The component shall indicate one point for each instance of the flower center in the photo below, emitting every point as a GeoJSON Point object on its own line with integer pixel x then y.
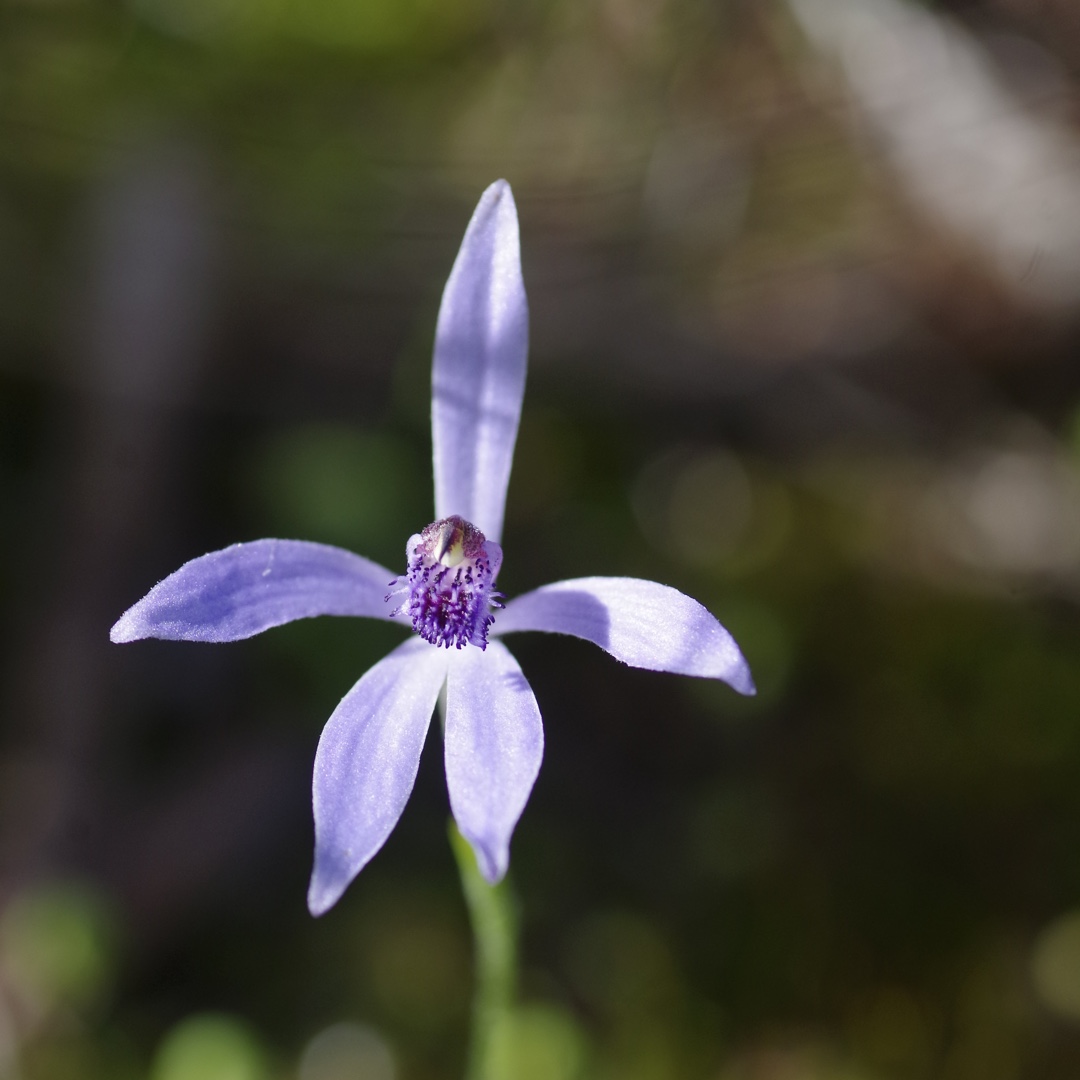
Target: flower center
{"type": "Point", "coordinates": [448, 589]}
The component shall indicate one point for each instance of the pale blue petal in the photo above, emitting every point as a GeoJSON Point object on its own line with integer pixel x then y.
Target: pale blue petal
{"type": "Point", "coordinates": [494, 744]}
{"type": "Point", "coordinates": [478, 376]}
{"type": "Point", "coordinates": [642, 623]}
{"type": "Point", "coordinates": [247, 588]}
{"type": "Point", "coordinates": [366, 764]}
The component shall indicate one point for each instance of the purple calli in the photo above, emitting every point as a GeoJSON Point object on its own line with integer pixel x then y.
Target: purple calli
{"type": "Point", "coordinates": [368, 755]}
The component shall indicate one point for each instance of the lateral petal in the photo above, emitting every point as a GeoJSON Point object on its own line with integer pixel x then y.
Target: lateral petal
{"type": "Point", "coordinates": [478, 374]}
{"type": "Point", "coordinates": [642, 623]}
{"type": "Point", "coordinates": [494, 743]}
{"type": "Point", "coordinates": [244, 589]}
{"type": "Point", "coordinates": [366, 764]}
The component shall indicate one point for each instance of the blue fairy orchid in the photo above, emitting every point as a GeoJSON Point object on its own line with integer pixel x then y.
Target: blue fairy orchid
{"type": "Point", "coordinates": [369, 752]}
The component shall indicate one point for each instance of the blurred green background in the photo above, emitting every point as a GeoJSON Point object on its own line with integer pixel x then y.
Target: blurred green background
{"type": "Point", "coordinates": [804, 281]}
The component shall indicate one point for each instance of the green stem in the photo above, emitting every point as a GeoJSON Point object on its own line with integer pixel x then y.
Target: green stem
{"type": "Point", "coordinates": [493, 915]}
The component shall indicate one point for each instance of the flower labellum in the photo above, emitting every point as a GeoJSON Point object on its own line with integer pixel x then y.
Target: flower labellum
{"type": "Point", "coordinates": [369, 752]}
{"type": "Point", "coordinates": [449, 583]}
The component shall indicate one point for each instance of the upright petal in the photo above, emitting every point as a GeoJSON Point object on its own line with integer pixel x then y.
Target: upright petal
{"type": "Point", "coordinates": [494, 744]}
{"type": "Point", "coordinates": [366, 764]}
{"type": "Point", "coordinates": [247, 588]}
{"type": "Point", "coordinates": [642, 623]}
{"type": "Point", "coordinates": [478, 376]}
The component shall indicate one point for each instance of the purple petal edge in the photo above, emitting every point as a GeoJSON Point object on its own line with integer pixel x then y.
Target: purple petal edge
{"type": "Point", "coordinates": [478, 370]}
{"type": "Point", "coordinates": [642, 623]}
{"type": "Point", "coordinates": [244, 589]}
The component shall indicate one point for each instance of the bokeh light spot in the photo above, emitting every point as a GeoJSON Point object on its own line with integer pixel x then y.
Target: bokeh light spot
{"type": "Point", "coordinates": [540, 1042]}
{"type": "Point", "coordinates": [56, 944]}
{"type": "Point", "coordinates": [347, 1051]}
{"type": "Point", "coordinates": [1055, 965]}
{"type": "Point", "coordinates": [210, 1047]}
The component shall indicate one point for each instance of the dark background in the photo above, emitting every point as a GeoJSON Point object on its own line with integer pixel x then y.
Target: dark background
{"type": "Point", "coordinates": [804, 284]}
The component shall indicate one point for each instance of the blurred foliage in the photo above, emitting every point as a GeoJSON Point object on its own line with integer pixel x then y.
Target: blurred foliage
{"type": "Point", "coordinates": [782, 358]}
{"type": "Point", "coordinates": [57, 947]}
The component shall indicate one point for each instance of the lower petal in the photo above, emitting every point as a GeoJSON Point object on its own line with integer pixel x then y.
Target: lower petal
{"type": "Point", "coordinates": [366, 764]}
{"type": "Point", "coordinates": [642, 623]}
{"type": "Point", "coordinates": [494, 745]}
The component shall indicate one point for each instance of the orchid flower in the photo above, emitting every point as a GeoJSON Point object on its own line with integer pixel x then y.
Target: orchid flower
{"type": "Point", "coordinates": [369, 752]}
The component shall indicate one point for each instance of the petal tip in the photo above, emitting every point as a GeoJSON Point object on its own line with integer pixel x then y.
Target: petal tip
{"type": "Point", "coordinates": [318, 906]}
{"type": "Point", "coordinates": [743, 681]}
{"type": "Point", "coordinates": [124, 630]}
{"type": "Point", "coordinates": [497, 205]}
{"type": "Point", "coordinates": [322, 895]}
{"type": "Point", "coordinates": [735, 671]}
{"type": "Point", "coordinates": [498, 189]}
{"type": "Point", "coordinates": [492, 859]}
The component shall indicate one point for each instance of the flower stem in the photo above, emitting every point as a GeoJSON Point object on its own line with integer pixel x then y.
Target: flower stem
{"type": "Point", "coordinates": [493, 915]}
